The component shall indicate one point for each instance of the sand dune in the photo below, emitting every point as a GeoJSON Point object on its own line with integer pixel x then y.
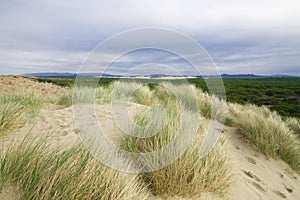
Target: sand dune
{"type": "Point", "coordinates": [17, 83]}
{"type": "Point", "coordinates": [256, 177]}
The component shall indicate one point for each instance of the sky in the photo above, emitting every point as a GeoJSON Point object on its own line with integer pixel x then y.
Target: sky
{"type": "Point", "coordinates": [258, 36]}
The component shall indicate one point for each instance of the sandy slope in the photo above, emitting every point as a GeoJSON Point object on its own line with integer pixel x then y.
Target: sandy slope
{"type": "Point", "coordinates": [255, 176]}
{"type": "Point", "coordinates": [17, 83]}
{"type": "Point", "coordinates": [258, 177]}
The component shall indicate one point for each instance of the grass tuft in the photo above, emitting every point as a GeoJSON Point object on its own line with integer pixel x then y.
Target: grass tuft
{"type": "Point", "coordinates": [267, 132]}
{"type": "Point", "coordinates": [65, 99]}
{"type": "Point", "coordinates": [294, 125]}
{"type": "Point", "coordinates": [190, 175]}
{"type": "Point", "coordinates": [64, 174]}
{"type": "Point", "coordinates": [29, 100]}
{"type": "Point", "coordinates": [18, 107]}
{"type": "Point", "coordinates": [10, 117]}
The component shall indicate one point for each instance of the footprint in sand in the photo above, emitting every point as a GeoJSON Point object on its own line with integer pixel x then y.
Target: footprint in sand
{"type": "Point", "coordinates": [251, 175]}
{"type": "Point", "coordinates": [288, 188]}
{"type": "Point", "coordinates": [280, 174]}
{"type": "Point", "coordinates": [65, 132]}
{"type": "Point", "coordinates": [257, 182]}
{"type": "Point", "coordinates": [280, 194]}
{"type": "Point", "coordinates": [259, 186]}
{"type": "Point", "coordinates": [251, 160]}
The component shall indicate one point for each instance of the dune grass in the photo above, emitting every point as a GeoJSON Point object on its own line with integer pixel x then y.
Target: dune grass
{"type": "Point", "coordinates": [267, 132]}
{"type": "Point", "coordinates": [294, 124]}
{"type": "Point", "coordinates": [132, 91]}
{"type": "Point", "coordinates": [103, 94]}
{"type": "Point", "coordinates": [65, 99]}
{"type": "Point", "coordinates": [211, 107]}
{"type": "Point", "coordinates": [30, 101]}
{"type": "Point", "coordinates": [10, 117]}
{"type": "Point", "coordinates": [190, 175]}
{"type": "Point", "coordinates": [73, 174]}
{"type": "Point", "coordinates": [18, 107]}
{"type": "Point", "coordinates": [64, 174]}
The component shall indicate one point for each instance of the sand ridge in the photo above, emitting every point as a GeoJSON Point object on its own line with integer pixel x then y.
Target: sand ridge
{"type": "Point", "coordinates": [18, 83]}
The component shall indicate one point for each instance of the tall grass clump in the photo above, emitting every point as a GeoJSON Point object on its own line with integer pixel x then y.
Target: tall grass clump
{"type": "Point", "coordinates": [103, 94]}
{"type": "Point", "coordinates": [190, 175]}
{"type": "Point", "coordinates": [185, 95]}
{"type": "Point", "coordinates": [143, 96]}
{"type": "Point", "coordinates": [10, 117]}
{"type": "Point", "coordinates": [117, 91]}
{"type": "Point", "coordinates": [41, 173]}
{"type": "Point", "coordinates": [210, 106]}
{"type": "Point", "coordinates": [132, 91]}
{"type": "Point", "coordinates": [84, 94]}
{"type": "Point", "coordinates": [18, 107]}
{"type": "Point", "coordinates": [163, 94]}
{"type": "Point", "coordinates": [29, 100]}
{"type": "Point", "coordinates": [100, 95]}
{"type": "Point", "coordinates": [294, 125]}
{"type": "Point", "coordinates": [65, 99]}
{"type": "Point", "coordinates": [267, 132]}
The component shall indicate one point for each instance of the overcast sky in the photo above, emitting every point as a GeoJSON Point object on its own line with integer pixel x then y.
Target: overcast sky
{"type": "Point", "coordinates": [256, 36]}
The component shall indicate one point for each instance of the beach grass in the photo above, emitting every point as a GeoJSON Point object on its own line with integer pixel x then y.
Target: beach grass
{"type": "Point", "coordinates": [73, 173]}
{"type": "Point", "coordinates": [266, 132]}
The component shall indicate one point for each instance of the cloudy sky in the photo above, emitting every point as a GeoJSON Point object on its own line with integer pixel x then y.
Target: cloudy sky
{"type": "Point", "coordinates": [257, 36]}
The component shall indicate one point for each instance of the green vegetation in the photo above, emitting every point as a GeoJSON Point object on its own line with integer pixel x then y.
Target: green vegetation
{"type": "Point", "coordinates": [69, 81]}
{"type": "Point", "coordinates": [63, 81]}
{"type": "Point", "coordinates": [279, 94]}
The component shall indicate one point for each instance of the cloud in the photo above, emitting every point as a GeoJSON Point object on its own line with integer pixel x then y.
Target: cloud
{"type": "Point", "coordinates": [241, 36]}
